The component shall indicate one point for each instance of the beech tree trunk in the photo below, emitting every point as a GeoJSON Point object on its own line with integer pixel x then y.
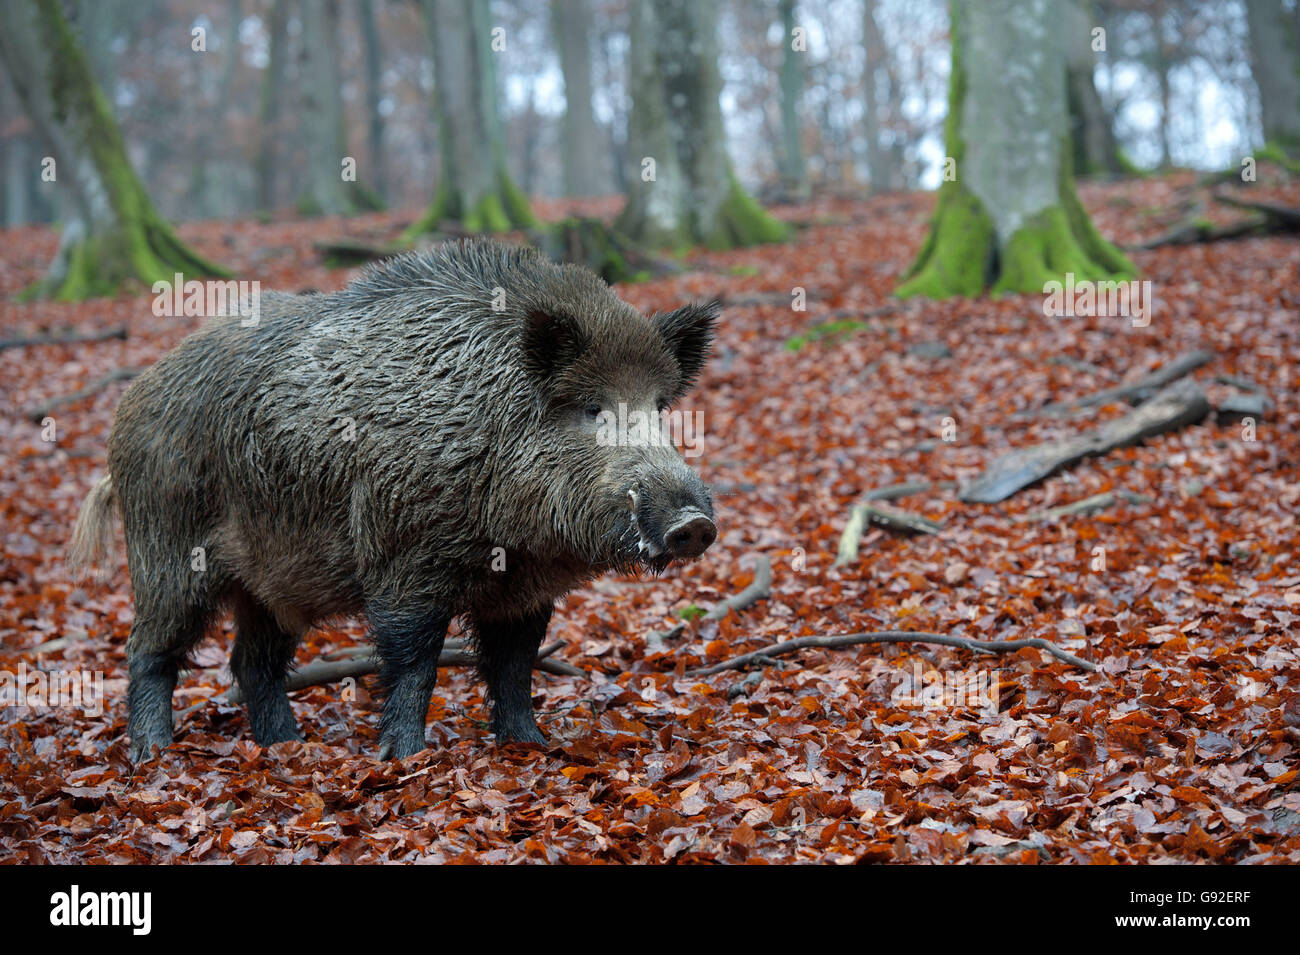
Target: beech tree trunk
{"type": "Point", "coordinates": [682, 190]}
{"type": "Point", "coordinates": [570, 21]}
{"type": "Point", "coordinates": [793, 169]}
{"type": "Point", "coordinates": [1275, 64]}
{"type": "Point", "coordinates": [268, 107]}
{"type": "Point", "coordinates": [1009, 216]}
{"type": "Point", "coordinates": [112, 233]}
{"type": "Point", "coordinates": [475, 188]}
{"type": "Point", "coordinates": [880, 101]}
{"type": "Point", "coordinates": [327, 191]}
{"type": "Point", "coordinates": [1096, 151]}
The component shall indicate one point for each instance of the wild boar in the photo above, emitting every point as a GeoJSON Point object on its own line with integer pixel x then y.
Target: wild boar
{"type": "Point", "coordinates": [420, 446]}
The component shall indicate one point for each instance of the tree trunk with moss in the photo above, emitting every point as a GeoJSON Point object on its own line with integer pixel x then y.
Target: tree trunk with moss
{"type": "Point", "coordinates": [1007, 213]}
{"type": "Point", "coordinates": [682, 187]}
{"type": "Point", "coordinates": [474, 188]}
{"type": "Point", "coordinates": [114, 235]}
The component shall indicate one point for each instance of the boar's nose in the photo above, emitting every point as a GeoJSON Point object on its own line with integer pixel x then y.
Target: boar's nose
{"type": "Point", "coordinates": [690, 534]}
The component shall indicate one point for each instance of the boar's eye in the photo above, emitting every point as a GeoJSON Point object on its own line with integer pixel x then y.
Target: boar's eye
{"type": "Point", "coordinates": [663, 404]}
{"type": "Point", "coordinates": [591, 411]}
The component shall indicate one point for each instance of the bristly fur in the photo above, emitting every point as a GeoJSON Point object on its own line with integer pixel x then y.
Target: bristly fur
{"type": "Point", "coordinates": [381, 448]}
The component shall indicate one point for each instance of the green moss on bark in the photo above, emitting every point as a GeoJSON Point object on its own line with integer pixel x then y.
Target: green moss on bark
{"type": "Point", "coordinates": [961, 252]}
{"type": "Point", "coordinates": [137, 245]}
{"type": "Point", "coordinates": [504, 209]}
{"type": "Point", "coordinates": [742, 221]}
{"type": "Point", "coordinates": [958, 254]}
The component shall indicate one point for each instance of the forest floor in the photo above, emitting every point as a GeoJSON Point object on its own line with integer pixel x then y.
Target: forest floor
{"type": "Point", "coordinates": [1185, 592]}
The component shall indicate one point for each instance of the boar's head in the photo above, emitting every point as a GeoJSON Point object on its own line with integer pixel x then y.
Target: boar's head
{"type": "Point", "coordinates": [607, 379]}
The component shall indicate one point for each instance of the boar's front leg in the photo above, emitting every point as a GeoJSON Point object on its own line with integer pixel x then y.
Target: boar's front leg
{"type": "Point", "coordinates": [507, 649]}
{"type": "Point", "coordinates": [408, 643]}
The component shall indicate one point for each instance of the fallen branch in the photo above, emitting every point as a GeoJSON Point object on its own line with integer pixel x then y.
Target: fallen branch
{"type": "Point", "coordinates": [1178, 405]}
{"type": "Point", "coordinates": [760, 588]}
{"type": "Point", "coordinates": [1089, 505]}
{"type": "Point", "coordinates": [38, 412]}
{"type": "Point", "coordinates": [325, 672]}
{"type": "Point", "coordinates": [890, 636]}
{"type": "Point", "coordinates": [1138, 390]}
{"type": "Point", "coordinates": [62, 338]}
{"type": "Point", "coordinates": [352, 250]}
{"type": "Point", "coordinates": [1238, 406]}
{"type": "Point", "coordinates": [862, 512]}
{"type": "Point", "coordinates": [1200, 231]}
{"type": "Point", "coordinates": [1087, 367]}
{"type": "Point", "coordinates": [1279, 218]}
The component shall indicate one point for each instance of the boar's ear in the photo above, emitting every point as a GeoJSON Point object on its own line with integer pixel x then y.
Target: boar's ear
{"type": "Point", "coordinates": [689, 333]}
{"type": "Point", "coordinates": [551, 341]}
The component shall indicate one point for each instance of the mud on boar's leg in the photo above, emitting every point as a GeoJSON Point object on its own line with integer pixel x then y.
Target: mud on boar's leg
{"type": "Point", "coordinates": [408, 643]}
{"type": "Point", "coordinates": [261, 657]}
{"type": "Point", "coordinates": [507, 650]}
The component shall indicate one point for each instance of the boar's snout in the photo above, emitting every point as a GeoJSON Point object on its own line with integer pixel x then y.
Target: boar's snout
{"type": "Point", "coordinates": [672, 515]}
{"type": "Point", "coordinates": [689, 534]}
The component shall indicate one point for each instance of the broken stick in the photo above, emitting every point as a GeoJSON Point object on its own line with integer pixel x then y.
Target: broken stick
{"type": "Point", "coordinates": [760, 588]}
{"type": "Point", "coordinates": [1177, 406]}
{"type": "Point", "coordinates": [890, 636]}
{"type": "Point", "coordinates": [862, 512]}
{"type": "Point", "coordinates": [1141, 389]}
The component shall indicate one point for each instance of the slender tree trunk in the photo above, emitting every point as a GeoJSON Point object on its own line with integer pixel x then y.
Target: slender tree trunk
{"type": "Point", "coordinates": [327, 191]}
{"type": "Point", "coordinates": [204, 198]}
{"type": "Point", "coordinates": [268, 107]}
{"type": "Point", "coordinates": [112, 234]}
{"type": "Point", "coordinates": [793, 169]}
{"type": "Point", "coordinates": [683, 190]}
{"type": "Point", "coordinates": [374, 97]}
{"type": "Point", "coordinates": [570, 20]}
{"type": "Point", "coordinates": [1010, 215]}
{"type": "Point", "coordinates": [1275, 64]}
{"type": "Point", "coordinates": [475, 188]}
{"type": "Point", "coordinates": [875, 79]}
{"type": "Point", "coordinates": [1091, 127]}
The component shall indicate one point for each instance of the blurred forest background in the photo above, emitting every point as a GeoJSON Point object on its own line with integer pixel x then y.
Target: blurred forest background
{"type": "Point", "coordinates": [280, 88]}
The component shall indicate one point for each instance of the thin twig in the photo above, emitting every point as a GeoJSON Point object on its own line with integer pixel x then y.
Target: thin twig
{"type": "Point", "coordinates": [891, 636]}
{"type": "Point", "coordinates": [38, 412]}
{"type": "Point", "coordinates": [759, 588]}
{"type": "Point", "coordinates": [62, 338]}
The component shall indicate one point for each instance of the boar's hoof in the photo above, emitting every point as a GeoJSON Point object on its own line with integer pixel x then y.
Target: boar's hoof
{"type": "Point", "coordinates": [393, 748]}
{"type": "Point", "coordinates": [520, 734]}
{"type": "Point", "coordinates": [690, 535]}
{"type": "Point", "coordinates": [145, 748]}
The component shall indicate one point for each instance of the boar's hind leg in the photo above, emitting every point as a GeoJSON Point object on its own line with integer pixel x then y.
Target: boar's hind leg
{"type": "Point", "coordinates": [161, 639]}
{"type": "Point", "coordinates": [262, 654]}
{"type": "Point", "coordinates": [507, 650]}
{"type": "Point", "coordinates": [408, 644]}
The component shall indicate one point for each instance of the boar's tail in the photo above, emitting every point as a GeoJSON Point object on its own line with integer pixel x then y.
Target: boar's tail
{"type": "Point", "coordinates": [92, 538]}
